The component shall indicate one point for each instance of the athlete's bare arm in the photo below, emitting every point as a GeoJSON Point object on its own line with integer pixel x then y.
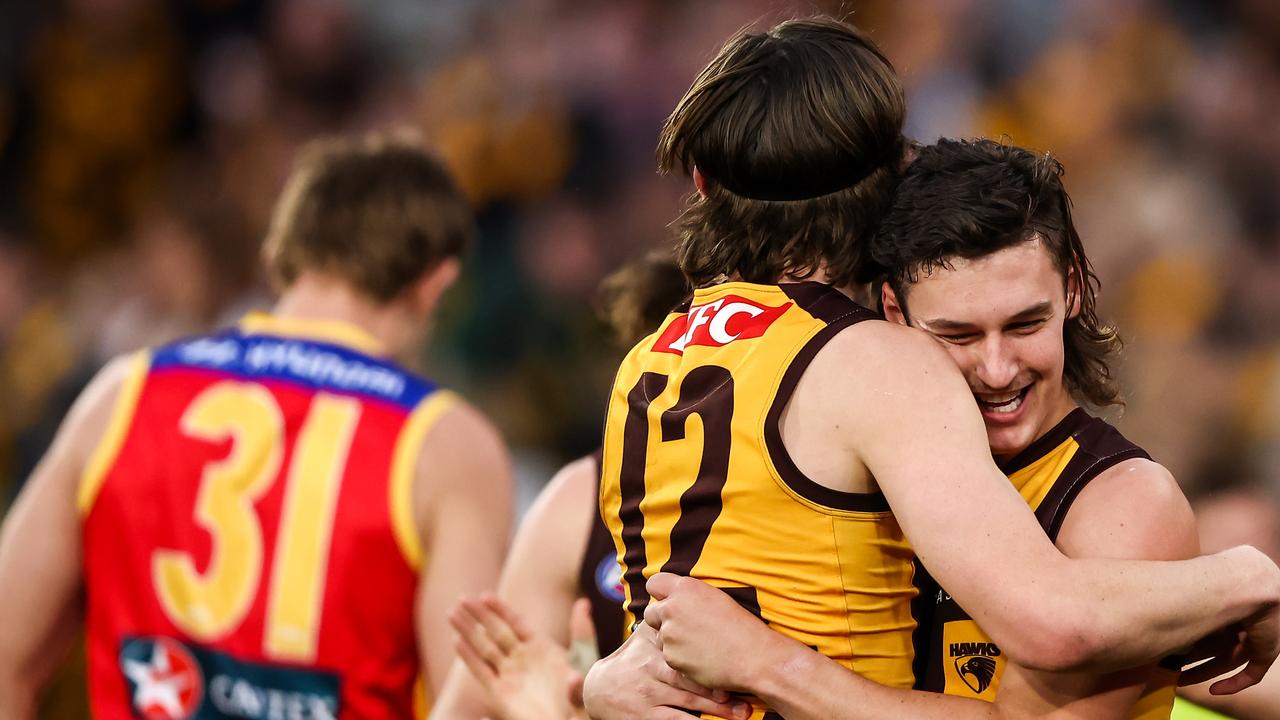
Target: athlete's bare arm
{"type": "Point", "coordinates": [1132, 510]}
{"type": "Point", "coordinates": [539, 577]}
{"type": "Point", "coordinates": [40, 575]}
{"type": "Point", "coordinates": [913, 426]}
{"type": "Point", "coordinates": [463, 505]}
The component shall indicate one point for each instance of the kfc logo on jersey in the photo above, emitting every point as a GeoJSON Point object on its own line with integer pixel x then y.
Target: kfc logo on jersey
{"type": "Point", "coordinates": [165, 682]}
{"type": "Point", "coordinates": [718, 323]}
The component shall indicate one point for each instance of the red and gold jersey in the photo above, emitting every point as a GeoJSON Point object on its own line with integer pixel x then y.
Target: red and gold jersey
{"type": "Point", "coordinates": [1049, 475]}
{"type": "Point", "coordinates": [249, 544]}
{"type": "Point", "coordinates": [696, 481]}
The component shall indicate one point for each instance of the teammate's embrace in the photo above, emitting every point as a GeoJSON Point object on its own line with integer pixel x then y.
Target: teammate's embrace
{"type": "Point", "coordinates": [272, 521]}
{"type": "Point", "coordinates": [758, 440]}
{"type": "Point", "coordinates": [981, 253]}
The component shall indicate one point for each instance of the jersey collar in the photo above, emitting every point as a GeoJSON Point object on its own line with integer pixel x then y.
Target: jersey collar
{"type": "Point", "coordinates": [1067, 427]}
{"type": "Point", "coordinates": [333, 331]}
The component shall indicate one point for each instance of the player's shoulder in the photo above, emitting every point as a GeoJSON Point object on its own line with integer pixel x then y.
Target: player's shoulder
{"type": "Point", "coordinates": [578, 479]}
{"type": "Point", "coordinates": [1103, 442]}
{"type": "Point", "coordinates": [117, 372]}
{"type": "Point", "coordinates": [461, 459]}
{"type": "Point", "coordinates": [1132, 508]}
{"type": "Point", "coordinates": [1120, 475]}
{"type": "Point", "coordinates": [119, 377]}
{"type": "Point", "coordinates": [880, 354]}
{"type": "Point", "coordinates": [877, 337]}
{"type": "Point", "coordinates": [1139, 483]}
{"type": "Point", "coordinates": [460, 429]}
{"type": "Point", "coordinates": [566, 505]}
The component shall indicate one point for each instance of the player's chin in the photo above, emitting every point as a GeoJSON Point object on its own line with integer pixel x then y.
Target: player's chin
{"type": "Point", "coordinates": [1010, 436]}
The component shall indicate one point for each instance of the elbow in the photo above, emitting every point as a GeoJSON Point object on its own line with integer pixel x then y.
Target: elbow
{"type": "Point", "coordinates": [1057, 640]}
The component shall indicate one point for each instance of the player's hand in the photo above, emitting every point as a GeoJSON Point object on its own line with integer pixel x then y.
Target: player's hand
{"type": "Point", "coordinates": [525, 675]}
{"type": "Point", "coordinates": [708, 636]}
{"type": "Point", "coordinates": [1253, 643]}
{"type": "Point", "coordinates": [635, 683]}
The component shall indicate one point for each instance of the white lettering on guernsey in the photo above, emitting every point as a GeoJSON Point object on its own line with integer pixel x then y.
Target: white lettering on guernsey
{"type": "Point", "coordinates": [699, 316]}
{"type": "Point", "coordinates": [323, 367]}
{"type": "Point", "coordinates": [208, 351]}
{"type": "Point", "coordinates": [237, 697]}
{"type": "Point", "coordinates": [297, 359]}
{"type": "Point", "coordinates": [720, 323]}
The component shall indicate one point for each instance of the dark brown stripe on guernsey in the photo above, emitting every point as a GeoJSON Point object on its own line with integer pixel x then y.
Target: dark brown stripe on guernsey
{"type": "Point", "coordinates": [824, 302]}
{"type": "Point", "coordinates": [830, 305]}
{"type": "Point", "coordinates": [635, 446]}
{"type": "Point", "coordinates": [1074, 422]}
{"type": "Point", "coordinates": [708, 391]}
{"type": "Point", "coordinates": [1101, 447]}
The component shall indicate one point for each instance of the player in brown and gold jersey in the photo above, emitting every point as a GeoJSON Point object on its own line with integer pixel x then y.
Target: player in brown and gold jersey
{"type": "Point", "coordinates": [758, 439]}
{"type": "Point", "coordinates": [997, 274]}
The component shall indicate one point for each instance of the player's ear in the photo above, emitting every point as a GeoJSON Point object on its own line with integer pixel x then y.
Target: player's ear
{"type": "Point", "coordinates": [433, 283]}
{"type": "Point", "coordinates": [893, 311]}
{"type": "Point", "coordinates": [1074, 297]}
{"type": "Point", "coordinates": [699, 181]}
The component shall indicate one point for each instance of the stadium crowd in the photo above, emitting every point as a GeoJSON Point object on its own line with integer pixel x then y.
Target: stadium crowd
{"type": "Point", "coordinates": [142, 144]}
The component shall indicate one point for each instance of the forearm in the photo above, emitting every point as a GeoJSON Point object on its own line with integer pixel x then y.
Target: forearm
{"type": "Point", "coordinates": [809, 686]}
{"type": "Point", "coordinates": [1138, 612]}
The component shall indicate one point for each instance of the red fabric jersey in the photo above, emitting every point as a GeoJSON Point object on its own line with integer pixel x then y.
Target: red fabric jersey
{"type": "Point", "coordinates": [249, 545]}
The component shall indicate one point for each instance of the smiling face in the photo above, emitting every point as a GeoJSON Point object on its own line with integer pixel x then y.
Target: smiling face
{"type": "Point", "coordinates": [1000, 317]}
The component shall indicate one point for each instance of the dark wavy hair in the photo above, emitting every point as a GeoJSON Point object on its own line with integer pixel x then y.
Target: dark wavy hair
{"type": "Point", "coordinates": [637, 297]}
{"type": "Point", "coordinates": [971, 198]}
{"type": "Point", "coordinates": [798, 133]}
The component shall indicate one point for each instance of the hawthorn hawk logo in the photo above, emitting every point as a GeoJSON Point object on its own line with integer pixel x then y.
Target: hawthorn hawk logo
{"type": "Point", "coordinates": [976, 672]}
{"type": "Point", "coordinates": [976, 663]}
{"type": "Point", "coordinates": [164, 679]}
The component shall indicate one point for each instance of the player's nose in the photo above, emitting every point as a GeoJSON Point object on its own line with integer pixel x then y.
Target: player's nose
{"type": "Point", "coordinates": [997, 366]}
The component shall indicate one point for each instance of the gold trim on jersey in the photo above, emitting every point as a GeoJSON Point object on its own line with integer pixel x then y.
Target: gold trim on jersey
{"type": "Point", "coordinates": [1034, 481]}
{"type": "Point", "coordinates": [108, 448]}
{"type": "Point", "coordinates": [334, 331]}
{"type": "Point", "coordinates": [404, 471]}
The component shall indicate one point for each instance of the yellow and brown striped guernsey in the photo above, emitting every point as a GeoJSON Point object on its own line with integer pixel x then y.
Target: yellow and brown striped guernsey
{"type": "Point", "coordinates": [960, 658]}
{"type": "Point", "coordinates": [696, 480]}
{"type": "Point", "coordinates": [600, 582]}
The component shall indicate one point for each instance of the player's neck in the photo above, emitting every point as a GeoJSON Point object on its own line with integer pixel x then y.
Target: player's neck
{"type": "Point", "coordinates": [314, 297]}
{"type": "Point", "coordinates": [1061, 404]}
{"type": "Point", "coordinates": [819, 275]}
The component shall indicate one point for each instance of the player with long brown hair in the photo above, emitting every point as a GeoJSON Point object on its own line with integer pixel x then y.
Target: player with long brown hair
{"type": "Point", "coordinates": [272, 520]}
{"type": "Point", "coordinates": [758, 440]}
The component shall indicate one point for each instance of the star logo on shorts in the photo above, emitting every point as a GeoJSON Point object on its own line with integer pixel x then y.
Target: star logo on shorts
{"type": "Point", "coordinates": [165, 679]}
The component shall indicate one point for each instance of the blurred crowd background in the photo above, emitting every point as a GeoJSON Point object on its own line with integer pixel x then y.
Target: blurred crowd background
{"type": "Point", "coordinates": [142, 143]}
